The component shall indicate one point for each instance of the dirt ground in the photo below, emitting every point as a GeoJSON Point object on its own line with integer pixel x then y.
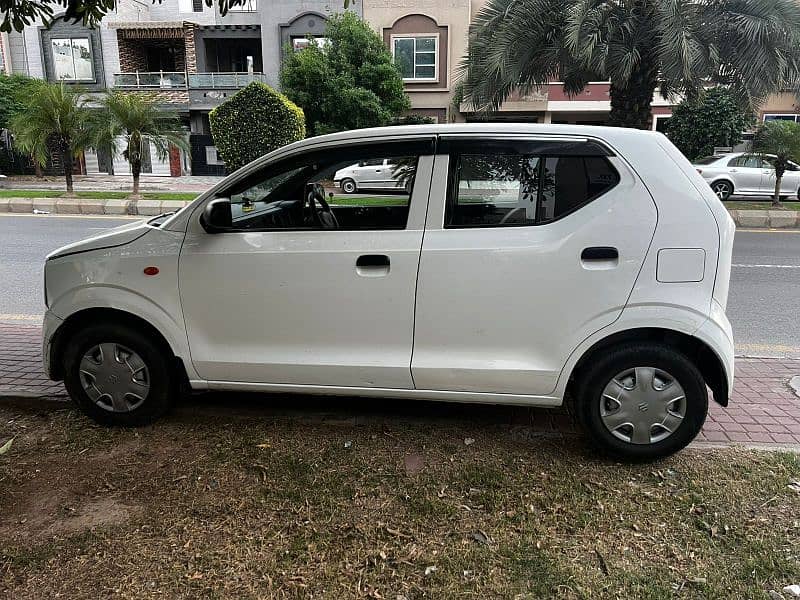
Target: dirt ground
{"type": "Point", "coordinates": [257, 505]}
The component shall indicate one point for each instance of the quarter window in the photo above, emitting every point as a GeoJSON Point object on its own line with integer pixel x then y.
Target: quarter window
{"type": "Point", "coordinates": [497, 190]}
{"type": "Point", "coordinates": [72, 59]}
{"type": "Point", "coordinates": [415, 57]}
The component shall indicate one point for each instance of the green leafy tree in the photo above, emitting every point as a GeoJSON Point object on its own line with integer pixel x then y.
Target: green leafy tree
{"type": "Point", "coordinates": [350, 83]}
{"type": "Point", "coordinates": [13, 91]}
{"type": "Point", "coordinates": [675, 45]}
{"type": "Point", "coordinates": [127, 122]}
{"type": "Point", "coordinates": [253, 122]}
{"type": "Point", "coordinates": [712, 119]}
{"type": "Point", "coordinates": [781, 139]}
{"type": "Point", "coordinates": [53, 116]}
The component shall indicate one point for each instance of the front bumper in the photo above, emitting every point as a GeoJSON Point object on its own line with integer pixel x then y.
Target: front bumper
{"type": "Point", "coordinates": [50, 325]}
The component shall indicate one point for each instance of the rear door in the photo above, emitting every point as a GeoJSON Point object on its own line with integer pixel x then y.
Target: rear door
{"type": "Point", "coordinates": [530, 246]}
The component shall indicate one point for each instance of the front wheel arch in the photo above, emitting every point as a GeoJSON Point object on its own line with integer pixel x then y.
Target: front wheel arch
{"type": "Point", "coordinates": [706, 360]}
{"type": "Point", "coordinates": [93, 316]}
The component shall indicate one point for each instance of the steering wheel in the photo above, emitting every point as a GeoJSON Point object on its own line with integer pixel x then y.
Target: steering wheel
{"type": "Point", "coordinates": [322, 216]}
{"type": "Point", "coordinates": [511, 214]}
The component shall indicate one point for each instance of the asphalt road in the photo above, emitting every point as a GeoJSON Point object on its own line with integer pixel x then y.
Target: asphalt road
{"type": "Point", "coordinates": [764, 303]}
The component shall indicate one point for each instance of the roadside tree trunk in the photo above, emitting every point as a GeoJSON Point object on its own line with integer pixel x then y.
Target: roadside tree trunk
{"type": "Point", "coordinates": [776, 196]}
{"type": "Point", "coordinates": [631, 100]}
{"type": "Point", "coordinates": [66, 160]}
{"type": "Point", "coordinates": [134, 156]}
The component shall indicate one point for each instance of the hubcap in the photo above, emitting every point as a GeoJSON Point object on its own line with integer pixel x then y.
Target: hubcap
{"type": "Point", "coordinates": [721, 190]}
{"type": "Point", "coordinates": [349, 186]}
{"type": "Point", "coordinates": [643, 405]}
{"type": "Point", "coordinates": [114, 377]}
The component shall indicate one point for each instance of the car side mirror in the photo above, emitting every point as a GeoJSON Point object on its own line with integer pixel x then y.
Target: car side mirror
{"type": "Point", "coordinates": [216, 216]}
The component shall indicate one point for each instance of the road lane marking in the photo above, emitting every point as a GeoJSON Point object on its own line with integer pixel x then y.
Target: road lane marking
{"type": "Point", "coordinates": [768, 230]}
{"type": "Point", "coordinates": [18, 317]}
{"type": "Point", "coordinates": [743, 266]}
{"type": "Point", "coordinates": [58, 216]}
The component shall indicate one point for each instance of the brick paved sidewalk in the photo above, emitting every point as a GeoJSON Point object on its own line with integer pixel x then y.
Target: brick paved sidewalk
{"type": "Point", "coordinates": [763, 408]}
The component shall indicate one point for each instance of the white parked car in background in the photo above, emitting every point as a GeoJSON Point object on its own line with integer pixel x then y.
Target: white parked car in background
{"type": "Point", "coordinates": [528, 264]}
{"type": "Point", "coordinates": [746, 175]}
{"type": "Point", "coordinates": [371, 174]}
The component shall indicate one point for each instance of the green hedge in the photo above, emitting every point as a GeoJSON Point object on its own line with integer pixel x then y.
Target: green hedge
{"type": "Point", "coordinates": [254, 121]}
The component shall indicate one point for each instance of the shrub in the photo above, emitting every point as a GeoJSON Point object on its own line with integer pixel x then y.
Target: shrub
{"type": "Point", "coordinates": [253, 122]}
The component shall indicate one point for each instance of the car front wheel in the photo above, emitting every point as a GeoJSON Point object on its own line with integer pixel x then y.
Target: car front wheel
{"type": "Point", "coordinates": [723, 189]}
{"type": "Point", "coordinates": [118, 375]}
{"type": "Point", "coordinates": [642, 401]}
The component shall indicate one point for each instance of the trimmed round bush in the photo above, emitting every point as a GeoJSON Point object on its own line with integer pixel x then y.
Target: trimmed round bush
{"type": "Point", "coordinates": [253, 122]}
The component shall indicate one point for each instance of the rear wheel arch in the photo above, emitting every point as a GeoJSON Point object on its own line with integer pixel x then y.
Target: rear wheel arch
{"type": "Point", "coordinates": [93, 316]}
{"type": "Point", "coordinates": [702, 355]}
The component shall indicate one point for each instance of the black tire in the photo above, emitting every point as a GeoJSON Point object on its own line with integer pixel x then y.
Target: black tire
{"type": "Point", "coordinates": [162, 382]}
{"type": "Point", "coordinates": [723, 189]}
{"type": "Point", "coordinates": [608, 365]}
{"type": "Point", "coordinates": [782, 198]}
{"type": "Point", "coordinates": [349, 186]}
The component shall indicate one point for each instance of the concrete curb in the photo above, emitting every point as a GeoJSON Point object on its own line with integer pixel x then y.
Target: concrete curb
{"type": "Point", "coordinates": [86, 206]}
{"type": "Point", "coordinates": [757, 219]}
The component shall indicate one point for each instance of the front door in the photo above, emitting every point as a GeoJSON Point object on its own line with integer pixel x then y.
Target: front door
{"type": "Point", "coordinates": [287, 298]}
{"type": "Point", "coordinates": [540, 246]}
{"type": "Point", "coordinates": [747, 173]}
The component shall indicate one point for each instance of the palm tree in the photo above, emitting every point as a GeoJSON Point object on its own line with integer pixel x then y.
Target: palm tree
{"type": "Point", "coordinates": [128, 121]}
{"type": "Point", "coordinates": [53, 116]}
{"type": "Point", "coordinates": [639, 45]}
{"type": "Point", "coordinates": [782, 140]}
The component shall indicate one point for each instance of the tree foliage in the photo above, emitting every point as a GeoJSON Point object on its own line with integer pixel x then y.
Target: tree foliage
{"type": "Point", "coordinates": [14, 89]}
{"type": "Point", "coordinates": [254, 121]}
{"type": "Point", "coordinates": [712, 119]}
{"type": "Point", "coordinates": [128, 122]}
{"type": "Point", "coordinates": [53, 116]}
{"type": "Point", "coordinates": [752, 46]}
{"type": "Point", "coordinates": [781, 139]}
{"type": "Point", "coordinates": [350, 83]}
{"type": "Point", "coordinates": [19, 13]}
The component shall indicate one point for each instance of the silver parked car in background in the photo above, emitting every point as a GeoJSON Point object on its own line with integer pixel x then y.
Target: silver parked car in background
{"type": "Point", "coordinates": [372, 174]}
{"type": "Point", "coordinates": [746, 175]}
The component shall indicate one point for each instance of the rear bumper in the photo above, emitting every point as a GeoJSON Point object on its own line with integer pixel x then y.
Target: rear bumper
{"type": "Point", "coordinates": [50, 325]}
{"type": "Point", "coordinates": [717, 333]}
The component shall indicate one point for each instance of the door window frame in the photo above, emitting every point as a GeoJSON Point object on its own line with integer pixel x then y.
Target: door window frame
{"type": "Point", "coordinates": [541, 148]}
{"type": "Point", "coordinates": [423, 147]}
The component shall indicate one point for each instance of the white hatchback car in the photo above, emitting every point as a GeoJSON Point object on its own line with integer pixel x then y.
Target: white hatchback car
{"type": "Point", "coordinates": [529, 263]}
{"type": "Point", "coordinates": [746, 175]}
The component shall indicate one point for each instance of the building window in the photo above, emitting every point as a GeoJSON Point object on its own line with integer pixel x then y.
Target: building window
{"type": "Point", "coordinates": [212, 158]}
{"type": "Point", "coordinates": [781, 117]}
{"type": "Point", "coordinates": [72, 59]}
{"type": "Point", "coordinates": [415, 57]}
{"type": "Point", "coordinates": [303, 42]}
{"type": "Point", "coordinates": [245, 6]}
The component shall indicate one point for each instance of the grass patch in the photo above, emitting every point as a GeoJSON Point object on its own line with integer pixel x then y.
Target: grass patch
{"type": "Point", "coordinates": [220, 505]}
{"type": "Point", "coordinates": [97, 195]}
{"type": "Point", "coordinates": [369, 201]}
{"type": "Point", "coordinates": [755, 205]}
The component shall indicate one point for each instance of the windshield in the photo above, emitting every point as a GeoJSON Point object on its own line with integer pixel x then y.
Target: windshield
{"type": "Point", "coordinates": [707, 160]}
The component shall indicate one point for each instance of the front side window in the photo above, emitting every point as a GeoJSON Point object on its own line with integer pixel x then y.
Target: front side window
{"type": "Point", "coordinates": [497, 190]}
{"type": "Point", "coordinates": [415, 57]}
{"type": "Point", "coordinates": [348, 189]}
{"type": "Point", "coordinates": [72, 59]}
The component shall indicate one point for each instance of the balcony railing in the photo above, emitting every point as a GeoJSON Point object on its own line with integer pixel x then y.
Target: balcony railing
{"type": "Point", "coordinates": [178, 80]}
{"type": "Point", "coordinates": [223, 80]}
{"type": "Point", "coordinates": [151, 80]}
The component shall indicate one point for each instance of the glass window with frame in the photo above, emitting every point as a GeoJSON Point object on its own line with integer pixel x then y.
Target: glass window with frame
{"type": "Point", "coordinates": [280, 197]}
{"type": "Point", "coordinates": [502, 190]}
{"type": "Point", "coordinates": [302, 42]}
{"type": "Point", "coordinates": [72, 59]}
{"type": "Point", "coordinates": [415, 57]}
{"type": "Point", "coordinates": [244, 6]}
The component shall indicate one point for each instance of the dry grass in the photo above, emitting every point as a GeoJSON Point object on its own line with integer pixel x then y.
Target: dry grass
{"type": "Point", "coordinates": [216, 506]}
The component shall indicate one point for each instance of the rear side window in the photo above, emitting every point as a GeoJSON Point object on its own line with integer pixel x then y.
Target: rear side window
{"type": "Point", "coordinates": [498, 190]}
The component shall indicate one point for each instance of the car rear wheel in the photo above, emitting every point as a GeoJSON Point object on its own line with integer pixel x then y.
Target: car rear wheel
{"type": "Point", "coordinates": [349, 186]}
{"type": "Point", "coordinates": [723, 189]}
{"type": "Point", "coordinates": [117, 375]}
{"type": "Point", "coordinates": [642, 401]}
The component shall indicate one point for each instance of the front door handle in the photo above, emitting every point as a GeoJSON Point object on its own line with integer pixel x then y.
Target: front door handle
{"type": "Point", "coordinates": [372, 265]}
{"type": "Point", "coordinates": [600, 253]}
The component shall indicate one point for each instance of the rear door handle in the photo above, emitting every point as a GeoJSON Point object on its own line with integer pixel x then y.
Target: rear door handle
{"type": "Point", "coordinates": [372, 265]}
{"type": "Point", "coordinates": [600, 253]}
